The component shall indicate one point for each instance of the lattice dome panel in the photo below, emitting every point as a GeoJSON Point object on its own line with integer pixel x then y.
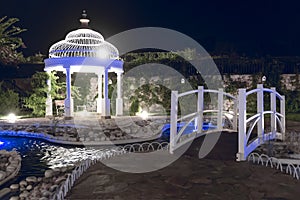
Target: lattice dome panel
{"type": "Point", "coordinates": [83, 43]}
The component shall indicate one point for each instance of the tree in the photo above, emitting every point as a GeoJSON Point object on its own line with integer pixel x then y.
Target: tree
{"type": "Point", "coordinates": [9, 100]}
{"type": "Point", "coordinates": [9, 42]}
{"type": "Point", "coordinates": [37, 100]}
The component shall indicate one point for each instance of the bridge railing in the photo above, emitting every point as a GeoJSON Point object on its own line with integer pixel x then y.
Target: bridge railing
{"type": "Point", "coordinates": [246, 125]}
{"type": "Point", "coordinates": [180, 135]}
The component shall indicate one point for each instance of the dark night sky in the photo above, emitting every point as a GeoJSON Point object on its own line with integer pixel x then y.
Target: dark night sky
{"type": "Point", "coordinates": [254, 27]}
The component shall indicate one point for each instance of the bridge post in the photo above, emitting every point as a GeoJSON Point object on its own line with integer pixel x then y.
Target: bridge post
{"type": "Point", "coordinates": [242, 125]}
{"type": "Point", "coordinates": [220, 109]}
{"type": "Point", "coordinates": [282, 111]}
{"type": "Point", "coordinates": [260, 110]}
{"type": "Point", "coordinates": [273, 109]}
{"type": "Point", "coordinates": [200, 103]}
{"type": "Point", "coordinates": [235, 116]}
{"type": "Point", "coordinates": [173, 123]}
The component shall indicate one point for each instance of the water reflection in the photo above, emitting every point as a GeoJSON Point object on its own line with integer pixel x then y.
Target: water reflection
{"type": "Point", "coordinates": [37, 155]}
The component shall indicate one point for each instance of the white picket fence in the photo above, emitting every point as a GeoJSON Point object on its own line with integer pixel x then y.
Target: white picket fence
{"type": "Point", "coordinates": [290, 168]}
{"type": "Point", "coordinates": [177, 137]}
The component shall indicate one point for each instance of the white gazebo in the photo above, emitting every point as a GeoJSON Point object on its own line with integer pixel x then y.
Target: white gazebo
{"type": "Point", "coordinates": [85, 50]}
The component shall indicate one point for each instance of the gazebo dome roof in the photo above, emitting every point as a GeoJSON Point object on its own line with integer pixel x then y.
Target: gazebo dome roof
{"type": "Point", "coordinates": [84, 42]}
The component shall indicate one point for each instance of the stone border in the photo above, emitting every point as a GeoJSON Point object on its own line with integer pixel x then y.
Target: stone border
{"type": "Point", "coordinates": [13, 174]}
{"type": "Point", "coordinates": [17, 168]}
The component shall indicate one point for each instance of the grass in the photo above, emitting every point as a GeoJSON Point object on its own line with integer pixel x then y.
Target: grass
{"type": "Point", "coordinates": [293, 117]}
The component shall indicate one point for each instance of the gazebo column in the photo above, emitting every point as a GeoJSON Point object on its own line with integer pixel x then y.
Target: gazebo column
{"type": "Point", "coordinates": [68, 101]}
{"type": "Point", "coordinates": [99, 99]}
{"type": "Point", "coordinates": [106, 101]}
{"type": "Point", "coordinates": [49, 111]}
{"type": "Point", "coordinates": [119, 100]}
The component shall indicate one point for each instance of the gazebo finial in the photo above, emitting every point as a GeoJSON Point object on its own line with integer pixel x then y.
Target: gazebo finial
{"type": "Point", "coordinates": [84, 20]}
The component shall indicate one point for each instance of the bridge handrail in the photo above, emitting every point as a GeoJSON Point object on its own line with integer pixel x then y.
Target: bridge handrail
{"type": "Point", "coordinates": [265, 90]}
{"type": "Point", "coordinates": [208, 91]}
{"type": "Point", "coordinates": [175, 134]}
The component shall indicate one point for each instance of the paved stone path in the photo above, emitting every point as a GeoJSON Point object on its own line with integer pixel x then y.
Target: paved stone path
{"type": "Point", "coordinates": [217, 176]}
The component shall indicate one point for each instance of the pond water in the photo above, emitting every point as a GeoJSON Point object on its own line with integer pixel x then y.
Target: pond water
{"type": "Point", "coordinates": [38, 156]}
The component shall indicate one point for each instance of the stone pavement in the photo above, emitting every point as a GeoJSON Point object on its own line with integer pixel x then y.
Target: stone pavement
{"type": "Point", "coordinates": [218, 176]}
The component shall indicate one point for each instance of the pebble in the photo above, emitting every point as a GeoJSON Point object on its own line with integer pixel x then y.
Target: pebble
{"type": "Point", "coordinates": [46, 193]}
{"type": "Point", "coordinates": [31, 179]}
{"type": "Point", "coordinates": [29, 187]}
{"type": "Point", "coordinates": [14, 186]}
{"type": "Point", "coordinates": [49, 173]}
{"type": "Point", "coordinates": [59, 180]}
{"type": "Point", "coordinates": [24, 194]}
{"type": "Point", "coordinates": [23, 183]}
{"type": "Point", "coordinates": [53, 188]}
{"type": "Point", "coordinates": [14, 198]}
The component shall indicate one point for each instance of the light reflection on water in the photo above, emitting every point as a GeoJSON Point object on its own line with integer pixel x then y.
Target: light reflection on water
{"type": "Point", "coordinates": [37, 155]}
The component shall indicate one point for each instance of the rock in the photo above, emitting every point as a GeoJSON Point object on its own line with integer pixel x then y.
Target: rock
{"type": "Point", "coordinates": [39, 179]}
{"type": "Point", "coordinates": [2, 175]}
{"type": "Point", "coordinates": [14, 186]}
{"type": "Point", "coordinates": [14, 163]}
{"type": "Point", "coordinates": [46, 193]}
{"type": "Point", "coordinates": [24, 194]}
{"type": "Point", "coordinates": [53, 188]}
{"type": "Point", "coordinates": [29, 187]}
{"type": "Point", "coordinates": [11, 168]}
{"type": "Point", "coordinates": [59, 180]}
{"type": "Point", "coordinates": [63, 169]}
{"type": "Point", "coordinates": [23, 184]}
{"type": "Point", "coordinates": [91, 134]}
{"type": "Point", "coordinates": [49, 173]}
{"type": "Point", "coordinates": [43, 198]}
{"type": "Point", "coordinates": [31, 179]}
{"type": "Point", "coordinates": [112, 137]}
{"type": "Point", "coordinates": [4, 192]}
{"type": "Point", "coordinates": [14, 198]}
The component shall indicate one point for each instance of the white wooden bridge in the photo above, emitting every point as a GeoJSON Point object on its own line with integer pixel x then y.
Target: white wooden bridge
{"type": "Point", "coordinates": [253, 129]}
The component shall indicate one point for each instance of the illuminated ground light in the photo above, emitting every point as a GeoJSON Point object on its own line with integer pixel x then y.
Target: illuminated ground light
{"type": "Point", "coordinates": [11, 118]}
{"type": "Point", "coordinates": [143, 114]}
